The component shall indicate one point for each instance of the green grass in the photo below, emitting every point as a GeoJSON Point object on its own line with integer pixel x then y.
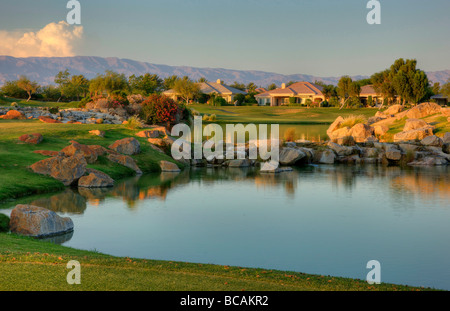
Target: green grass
{"type": "Point", "coordinates": [7, 101]}
{"type": "Point", "coordinates": [16, 179]}
{"type": "Point", "coordinates": [28, 264]}
{"type": "Point", "coordinates": [280, 115]}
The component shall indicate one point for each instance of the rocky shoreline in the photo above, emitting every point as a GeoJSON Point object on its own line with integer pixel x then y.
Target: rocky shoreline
{"type": "Point", "coordinates": [69, 115]}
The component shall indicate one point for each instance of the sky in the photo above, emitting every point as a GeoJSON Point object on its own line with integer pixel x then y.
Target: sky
{"type": "Point", "coordinates": [317, 37]}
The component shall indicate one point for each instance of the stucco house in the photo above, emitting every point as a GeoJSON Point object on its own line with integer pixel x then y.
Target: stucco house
{"type": "Point", "coordinates": [300, 92]}
{"type": "Point", "coordinates": [440, 99]}
{"type": "Point", "coordinates": [209, 88]}
{"type": "Point", "coordinates": [368, 91]}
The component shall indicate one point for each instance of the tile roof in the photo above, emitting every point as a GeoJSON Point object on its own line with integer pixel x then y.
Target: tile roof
{"type": "Point", "coordinates": [368, 90]}
{"type": "Point", "coordinates": [210, 88]}
{"type": "Point", "coordinates": [299, 88]}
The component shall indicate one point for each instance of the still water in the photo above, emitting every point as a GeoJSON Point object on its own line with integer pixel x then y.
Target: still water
{"type": "Point", "coordinates": [328, 220]}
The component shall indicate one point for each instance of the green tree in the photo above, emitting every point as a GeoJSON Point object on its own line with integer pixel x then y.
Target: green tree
{"type": "Point", "coordinates": [436, 88]}
{"type": "Point", "coordinates": [146, 84]}
{"type": "Point", "coordinates": [62, 78]}
{"type": "Point", "coordinates": [272, 86]}
{"type": "Point", "coordinates": [187, 89]}
{"type": "Point", "coordinates": [328, 91]}
{"type": "Point", "coordinates": [382, 84]}
{"type": "Point", "coordinates": [202, 80]}
{"type": "Point", "coordinates": [251, 88]}
{"type": "Point", "coordinates": [108, 83]}
{"type": "Point", "coordinates": [445, 89]}
{"type": "Point", "coordinates": [11, 89]}
{"type": "Point", "coordinates": [344, 89]}
{"type": "Point", "coordinates": [169, 82]}
{"type": "Point", "coordinates": [239, 86]}
{"type": "Point", "coordinates": [28, 86]}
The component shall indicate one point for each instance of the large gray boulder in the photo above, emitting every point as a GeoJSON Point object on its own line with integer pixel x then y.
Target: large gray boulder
{"type": "Point", "coordinates": [290, 156]}
{"type": "Point", "coordinates": [95, 179]}
{"type": "Point", "coordinates": [38, 222]}
{"type": "Point", "coordinates": [128, 146]}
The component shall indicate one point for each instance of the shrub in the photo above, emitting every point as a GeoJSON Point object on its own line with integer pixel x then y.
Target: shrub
{"type": "Point", "coordinates": [290, 134]}
{"type": "Point", "coordinates": [308, 102]}
{"type": "Point", "coordinates": [4, 223]}
{"type": "Point", "coordinates": [14, 104]}
{"type": "Point", "coordinates": [352, 120]}
{"type": "Point", "coordinates": [292, 100]}
{"type": "Point", "coordinates": [84, 101]}
{"type": "Point", "coordinates": [134, 122]}
{"type": "Point", "coordinates": [53, 110]}
{"type": "Point", "coordinates": [160, 109]}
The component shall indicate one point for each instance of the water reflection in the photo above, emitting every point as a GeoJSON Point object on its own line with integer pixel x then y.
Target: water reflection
{"type": "Point", "coordinates": [403, 183]}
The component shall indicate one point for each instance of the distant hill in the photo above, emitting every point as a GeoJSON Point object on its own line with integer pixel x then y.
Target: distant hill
{"type": "Point", "coordinates": [44, 69]}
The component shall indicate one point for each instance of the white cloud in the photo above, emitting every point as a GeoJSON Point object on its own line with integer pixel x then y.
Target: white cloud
{"type": "Point", "coordinates": [55, 39]}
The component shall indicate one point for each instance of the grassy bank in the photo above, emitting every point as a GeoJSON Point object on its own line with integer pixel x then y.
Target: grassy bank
{"type": "Point", "coordinates": [27, 264]}
{"type": "Point", "coordinates": [280, 115]}
{"type": "Point", "coordinates": [16, 179]}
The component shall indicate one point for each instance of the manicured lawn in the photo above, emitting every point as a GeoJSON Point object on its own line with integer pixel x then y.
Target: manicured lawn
{"type": "Point", "coordinates": [15, 157]}
{"type": "Point", "coordinates": [291, 115]}
{"type": "Point", "coordinates": [7, 101]}
{"type": "Point", "coordinates": [27, 264]}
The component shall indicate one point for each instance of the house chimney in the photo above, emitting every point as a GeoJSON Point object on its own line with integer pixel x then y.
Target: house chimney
{"type": "Point", "coordinates": [283, 86]}
{"type": "Point", "coordinates": [219, 81]}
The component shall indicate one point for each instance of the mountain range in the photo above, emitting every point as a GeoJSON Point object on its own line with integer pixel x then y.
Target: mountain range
{"type": "Point", "coordinates": [44, 69]}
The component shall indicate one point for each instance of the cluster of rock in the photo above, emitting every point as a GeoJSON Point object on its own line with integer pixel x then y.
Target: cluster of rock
{"type": "Point", "coordinates": [70, 115]}
{"type": "Point", "coordinates": [70, 164]}
{"type": "Point", "coordinates": [377, 126]}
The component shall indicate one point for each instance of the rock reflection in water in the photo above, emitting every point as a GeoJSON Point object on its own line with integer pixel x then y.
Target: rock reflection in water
{"type": "Point", "coordinates": [59, 239]}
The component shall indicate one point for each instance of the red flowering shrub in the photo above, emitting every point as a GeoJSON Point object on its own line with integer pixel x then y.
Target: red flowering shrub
{"type": "Point", "coordinates": [160, 109]}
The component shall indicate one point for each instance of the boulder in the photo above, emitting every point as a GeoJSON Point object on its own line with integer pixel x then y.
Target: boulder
{"type": "Point", "coordinates": [361, 132]}
{"type": "Point", "coordinates": [394, 109]}
{"type": "Point", "coordinates": [370, 152]}
{"type": "Point", "coordinates": [38, 222]}
{"type": "Point", "coordinates": [432, 141]}
{"type": "Point", "coordinates": [84, 150]}
{"type": "Point", "coordinates": [65, 169]}
{"type": "Point", "coordinates": [423, 110]}
{"type": "Point", "coordinates": [125, 161]}
{"type": "Point", "coordinates": [446, 138]}
{"type": "Point", "coordinates": [335, 125]}
{"type": "Point", "coordinates": [48, 120]}
{"type": "Point", "coordinates": [98, 150]}
{"type": "Point", "coordinates": [380, 130]}
{"type": "Point", "coordinates": [97, 133]}
{"type": "Point", "coordinates": [149, 134]}
{"type": "Point", "coordinates": [340, 133]}
{"type": "Point", "coordinates": [340, 150]}
{"type": "Point", "coordinates": [13, 115]}
{"type": "Point", "coordinates": [414, 124]}
{"type": "Point", "coordinates": [414, 134]}
{"type": "Point", "coordinates": [167, 166]}
{"type": "Point", "coordinates": [327, 157]}
{"type": "Point", "coordinates": [128, 146]}
{"type": "Point", "coordinates": [393, 154]}
{"type": "Point", "coordinates": [289, 156]}
{"type": "Point", "coordinates": [95, 179]}
{"type": "Point", "coordinates": [33, 139]}
{"type": "Point", "coordinates": [270, 167]}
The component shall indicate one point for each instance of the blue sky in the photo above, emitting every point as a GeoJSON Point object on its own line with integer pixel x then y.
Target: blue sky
{"type": "Point", "coordinates": [319, 37]}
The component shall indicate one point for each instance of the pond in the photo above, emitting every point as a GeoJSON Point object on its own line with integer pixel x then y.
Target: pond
{"type": "Point", "coordinates": [327, 220]}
